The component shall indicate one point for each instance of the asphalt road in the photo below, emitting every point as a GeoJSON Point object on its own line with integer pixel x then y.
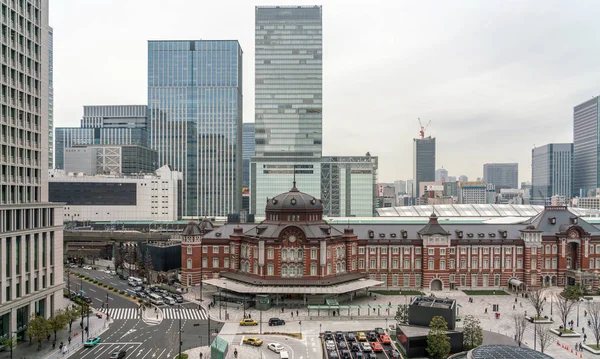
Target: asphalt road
{"type": "Point", "coordinates": [98, 294]}
{"type": "Point", "coordinates": [293, 346]}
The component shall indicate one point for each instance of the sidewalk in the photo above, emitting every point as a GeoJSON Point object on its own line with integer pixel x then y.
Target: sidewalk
{"type": "Point", "coordinates": [152, 316]}
{"type": "Point", "coordinates": [25, 349]}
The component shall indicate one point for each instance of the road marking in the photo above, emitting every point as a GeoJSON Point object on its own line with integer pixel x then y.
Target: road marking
{"type": "Point", "coordinates": [161, 353]}
{"type": "Point", "coordinates": [122, 343]}
{"type": "Point", "coordinates": [149, 351]}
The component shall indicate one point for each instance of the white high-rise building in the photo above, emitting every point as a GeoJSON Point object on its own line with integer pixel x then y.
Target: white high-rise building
{"type": "Point", "coordinates": [31, 232]}
{"type": "Point", "coordinates": [288, 102]}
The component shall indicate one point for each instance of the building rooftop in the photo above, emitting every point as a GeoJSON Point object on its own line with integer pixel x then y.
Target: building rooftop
{"type": "Point", "coordinates": [499, 351]}
{"type": "Point", "coordinates": [476, 210]}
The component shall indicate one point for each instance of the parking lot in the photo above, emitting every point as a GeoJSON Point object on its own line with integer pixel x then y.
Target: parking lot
{"type": "Point", "coordinates": [362, 344]}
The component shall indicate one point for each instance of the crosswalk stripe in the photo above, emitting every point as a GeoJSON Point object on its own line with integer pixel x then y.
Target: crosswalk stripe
{"type": "Point", "coordinates": [168, 313]}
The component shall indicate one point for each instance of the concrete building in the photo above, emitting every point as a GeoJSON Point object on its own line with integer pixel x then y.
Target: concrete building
{"type": "Point", "coordinates": [501, 175]}
{"type": "Point", "coordinates": [441, 175]}
{"type": "Point", "coordinates": [347, 186]}
{"type": "Point", "coordinates": [526, 186]}
{"type": "Point", "coordinates": [31, 228]}
{"type": "Point", "coordinates": [472, 193]}
{"type": "Point", "coordinates": [127, 160]}
{"type": "Point", "coordinates": [149, 197]}
{"type": "Point", "coordinates": [195, 107]}
{"type": "Point", "coordinates": [587, 202]}
{"type": "Point", "coordinates": [463, 178]}
{"type": "Point", "coordinates": [50, 97]}
{"type": "Point", "coordinates": [451, 189]}
{"type": "Point", "coordinates": [410, 187]}
{"type": "Point", "coordinates": [116, 116]}
{"type": "Point", "coordinates": [423, 162]}
{"type": "Point", "coordinates": [586, 147]}
{"type": "Point", "coordinates": [288, 101]}
{"type": "Point", "coordinates": [551, 172]}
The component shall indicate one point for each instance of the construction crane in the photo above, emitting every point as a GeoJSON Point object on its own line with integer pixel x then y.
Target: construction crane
{"type": "Point", "coordinates": [423, 128]}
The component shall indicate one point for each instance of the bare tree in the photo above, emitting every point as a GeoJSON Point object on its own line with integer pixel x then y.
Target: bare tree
{"type": "Point", "coordinates": [564, 306]}
{"type": "Point", "coordinates": [544, 337]}
{"type": "Point", "coordinates": [537, 298]}
{"type": "Point", "coordinates": [593, 309]}
{"type": "Point", "coordinates": [148, 267]}
{"type": "Point", "coordinates": [520, 323]}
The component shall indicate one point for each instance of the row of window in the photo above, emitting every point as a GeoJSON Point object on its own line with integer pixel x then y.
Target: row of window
{"type": "Point", "coordinates": [8, 295]}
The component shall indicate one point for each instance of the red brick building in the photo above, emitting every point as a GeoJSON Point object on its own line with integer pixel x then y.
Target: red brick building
{"type": "Point", "coordinates": [295, 248]}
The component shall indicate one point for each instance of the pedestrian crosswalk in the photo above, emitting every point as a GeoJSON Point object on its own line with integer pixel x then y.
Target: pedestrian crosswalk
{"type": "Point", "coordinates": [168, 313]}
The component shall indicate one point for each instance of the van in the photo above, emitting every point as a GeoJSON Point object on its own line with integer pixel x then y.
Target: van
{"type": "Point", "coordinates": [134, 282]}
{"type": "Point", "coordinates": [170, 300]}
{"type": "Point", "coordinates": [284, 355]}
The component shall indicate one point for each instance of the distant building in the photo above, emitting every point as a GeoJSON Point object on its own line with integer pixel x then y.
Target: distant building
{"type": "Point", "coordinates": [118, 198]}
{"type": "Point", "coordinates": [501, 175]}
{"type": "Point", "coordinates": [50, 97]}
{"type": "Point", "coordinates": [587, 202]}
{"type": "Point", "coordinates": [410, 187]}
{"type": "Point", "coordinates": [400, 187]}
{"type": "Point", "coordinates": [127, 160]}
{"type": "Point", "coordinates": [441, 175]}
{"type": "Point", "coordinates": [551, 172]}
{"type": "Point", "coordinates": [463, 178]}
{"type": "Point", "coordinates": [433, 193]}
{"type": "Point", "coordinates": [247, 152]}
{"type": "Point", "coordinates": [586, 147]}
{"type": "Point", "coordinates": [385, 195]}
{"type": "Point", "coordinates": [115, 116]}
{"type": "Point", "coordinates": [423, 162]}
{"type": "Point", "coordinates": [451, 188]}
{"type": "Point", "coordinates": [526, 186]}
{"type": "Point", "coordinates": [472, 193]}
{"type": "Point", "coordinates": [347, 186]}
{"type": "Point", "coordinates": [451, 179]}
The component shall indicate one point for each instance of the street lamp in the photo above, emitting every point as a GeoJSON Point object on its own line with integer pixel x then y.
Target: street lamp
{"type": "Point", "coordinates": [11, 344]}
{"type": "Point", "coordinates": [180, 342]}
{"type": "Point", "coordinates": [225, 283]}
{"type": "Point", "coordinates": [578, 300]}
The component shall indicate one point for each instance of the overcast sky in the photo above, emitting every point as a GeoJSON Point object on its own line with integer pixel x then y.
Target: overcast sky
{"type": "Point", "coordinates": [494, 77]}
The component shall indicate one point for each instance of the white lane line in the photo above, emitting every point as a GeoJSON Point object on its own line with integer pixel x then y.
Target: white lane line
{"type": "Point", "coordinates": [90, 288]}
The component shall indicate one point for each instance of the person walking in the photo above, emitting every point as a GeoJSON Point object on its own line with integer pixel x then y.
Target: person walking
{"type": "Point", "coordinates": [292, 314]}
{"type": "Point", "coordinates": [296, 313]}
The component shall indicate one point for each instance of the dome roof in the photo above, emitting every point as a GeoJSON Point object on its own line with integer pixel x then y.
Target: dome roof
{"type": "Point", "coordinates": [294, 200]}
{"type": "Point", "coordinates": [195, 229]}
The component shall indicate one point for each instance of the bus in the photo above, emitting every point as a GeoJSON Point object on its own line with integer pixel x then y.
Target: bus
{"type": "Point", "coordinates": [134, 282]}
{"type": "Point", "coordinates": [156, 299]}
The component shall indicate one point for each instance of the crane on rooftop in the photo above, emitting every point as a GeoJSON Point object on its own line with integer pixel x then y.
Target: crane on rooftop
{"type": "Point", "coordinates": [423, 128]}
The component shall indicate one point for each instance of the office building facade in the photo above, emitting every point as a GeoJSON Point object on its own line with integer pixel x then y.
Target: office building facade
{"type": "Point", "coordinates": [288, 101]}
{"type": "Point", "coordinates": [552, 172]}
{"type": "Point", "coordinates": [247, 152]}
{"type": "Point", "coordinates": [423, 162]}
{"type": "Point", "coordinates": [31, 273]}
{"type": "Point", "coordinates": [586, 146]}
{"type": "Point", "coordinates": [195, 117]}
{"type": "Point", "coordinates": [50, 97]}
{"type": "Point", "coordinates": [129, 116]}
{"type": "Point", "coordinates": [127, 160]}
{"type": "Point", "coordinates": [472, 193]}
{"type": "Point", "coordinates": [347, 186]}
{"type": "Point", "coordinates": [501, 175]}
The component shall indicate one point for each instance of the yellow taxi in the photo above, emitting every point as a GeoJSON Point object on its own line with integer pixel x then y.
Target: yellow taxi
{"type": "Point", "coordinates": [253, 341]}
{"type": "Point", "coordinates": [362, 337]}
{"type": "Point", "coordinates": [248, 322]}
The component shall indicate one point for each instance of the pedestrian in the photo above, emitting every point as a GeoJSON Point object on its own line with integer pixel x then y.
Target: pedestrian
{"type": "Point", "coordinates": [583, 330]}
{"type": "Point", "coordinates": [69, 340]}
{"type": "Point", "coordinates": [48, 337]}
{"type": "Point", "coordinates": [515, 300]}
{"type": "Point", "coordinates": [54, 345]}
{"type": "Point", "coordinates": [292, 313]}
{"type": "Point", "coordinates": [513, 307]}
{"type": "Point", "coordinates": [485, 310]}
{"type": "Point", "coordinates": [585, 313]}
{"type": "Point", "coordinates": [296, 313]}
{"type": "Point", "coordinates": [249, 316]}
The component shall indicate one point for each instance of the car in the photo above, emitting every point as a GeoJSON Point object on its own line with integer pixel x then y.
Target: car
{"type": "Point", "coordinates": [91, 342]}
{"type": "Point", "coordinates": [371, 356]}
{"type": "Point", "coordinates": [248, 321]}
{"type": "Point", "coordinates": [377, 347]}
{"type": "Point", "coordinates": [328, 335]}
{"type": "Point", "coordinates": [87, 267]}
{"type": "Point", "coordinates": [178, 298]}
{"type": "Point", "coordinates": [276, 321]}
{"type": "Point", "coordinates": [284, 355]}
{"type": "Point", "coordinates": [339, 336]}
{"type": "Point", "coordinates": [379, 331]}
{"type": "Point", "coordinates": [124, 277]}
{"type": "Point", "coordinates": [394, 354]}
{"type": "Point", "coordinates": [346, 354]}
{"type": "Point", "coordinates": [366, 347]}
{"type": "Point", "coordinates": [170, 300]}
{"type": "Point", "coordinates": [253, 341]}
{"type": "Point", "coordinates": [355, 347]}
{"type": "Point", "coordinates": [333, 354]}
{"type": "Point", "coordinates": [362, 337]}
{"type": "Point", "coordinates": [118, 355]}
{"type": "Point", "coordinates": [350, 337]}
{"type": "Point", "coordinates": [112, 272]}
{"type": "Point", "coordinates": [106, 271]}
{"type": "Point", "coordinates": [137, 289]}
{"type": "Point", "coordinates": [385, 339]}
{"type": "Point", "coordinates": [329, 345]}
{"type": "Point", "coordinates": [372, 336]}
{"type": "Point", "coordinates": [359, 355]}
{"type": "Point", "coordinates": [276, 347]}
{"type": "Point", "coordinates": [342, 344]}
{"type": "Point", "coordinates": [72, 265]}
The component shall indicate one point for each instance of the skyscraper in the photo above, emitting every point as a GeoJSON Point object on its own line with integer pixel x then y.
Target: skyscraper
{"type": "Point", "coordinates": [501, 175]}
{"type": "Point", "coordinates": [195, 117]}
{"type": "Point", "coordinates": [289, 102]}
{"type": "Point", "coordinates": [50, 97]}
{"type": "Point", "coordinates": [247, 151]}
{"type": "Point", "coordinates": [31, 232]}
{"type": "Point", "coordinates": [586, 146]}
{"type": "Point", "coordinates": [423, 162]}
{"type": "Point", "coordinates": [552, 171]}
{"type": "Point", "coordinates": [441, 175]}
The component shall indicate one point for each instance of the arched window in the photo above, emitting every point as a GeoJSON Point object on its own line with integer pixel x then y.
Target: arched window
{"type": "Point", "coordinates": [313, 269]}
{"type": "Point", "coordinates": [284, 271]}
{"type": "Point", "coordinates": [328, 268]}
{"type": "Point", "coordinates": [568, 262]}
{"type": "Point", "coordinates": [270, 269]}
{"type": "Point", "coordinates": [337, 268]}
{"type": "Point", "coordinates": [343, 266]}
{"type": "Point", "coordinates": [554, 248]}
{"type": "Point", "coordinates": [284, 254]}
{"type": "Point", "coordinates": [291, 253]}
{"type": "Point", "coordinates": [292, 270]}
{"type": "Point", "coordinates": [300, 254]}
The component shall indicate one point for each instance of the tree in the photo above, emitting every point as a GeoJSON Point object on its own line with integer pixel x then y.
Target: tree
{"type": "Point", "coordinates": [537, 298]}
{"type": "Point", "coordinates": [58, 321]}
{"type": "Point", "coordinates": [9, 342]}
{"type": "Point", "coordinates": [593, 309]}
{"type": "Point", "coordinates": [472, 332]}
{"type": "Point", "coordinates": [544, 337]}
{"type": "Point", "coordinates": [148, 266]}
{"type": "Point", "coordinates": [573, 292]}
{"type": "Point", "coordinates": [38, 329]}
{"type": "Point", "coordinates": [402, 314]}
{"type": "Point", "coordinates": [438, 343]}
{"type": "Point", "coordinates": [520, 323]}
{"type": "Point", "coordinates": [72, 314]}
{"type": "Point", "coordinates": [564, 306]}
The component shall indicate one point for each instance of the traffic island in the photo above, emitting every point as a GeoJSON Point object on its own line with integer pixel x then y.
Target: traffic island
{"type": "Point", "coordinates": [539, 320]}
{"type": "Point", "coordinates": [594, 349]}
{"type": "Point", "coordinates": [565, 333]}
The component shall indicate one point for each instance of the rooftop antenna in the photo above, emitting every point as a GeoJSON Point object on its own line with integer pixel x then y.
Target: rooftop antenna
{"type": "Point", "coordinates": [294, 187]}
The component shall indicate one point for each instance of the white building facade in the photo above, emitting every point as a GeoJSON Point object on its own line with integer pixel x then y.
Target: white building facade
{"type": "Point", "coordinates": [118, 198]}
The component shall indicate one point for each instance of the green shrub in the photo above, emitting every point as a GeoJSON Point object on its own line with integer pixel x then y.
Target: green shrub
{"type": "Point", "coordinates": [110, 288]}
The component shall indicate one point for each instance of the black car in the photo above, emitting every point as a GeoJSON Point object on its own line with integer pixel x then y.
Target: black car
{"type": "Point", "coordinates": [346, 354]}
{"type": "Point", "coordinates": [277, 321]}
{"type": "Point", "coordinates": [118, 355]}
{"type": "Point", "coordinates": [372, 336]}
{"type": "Point", "coordinates": [328, 335]}
{"type": "Point", "coordinates": [178, 298]}
{"type": "Point", "coordinates": [350, 337]}
{"type": "Point", "coordinates": [339, 336]}
{"type": "Point", "coordinates": [355, 347]}
{"type": "Point", "coordinates": [359, 355]}
{"type": "Point", "coordinates": [379, 331]}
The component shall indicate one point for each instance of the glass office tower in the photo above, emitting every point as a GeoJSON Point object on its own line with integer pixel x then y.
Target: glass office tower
{"type": "Point", "coordinates": [288, 102]}
{"type": "Point", "coordinates": [586, 148]}
{"type": "Point", "coordinates": [423, 163]}
{"type": "Point", "coordinates": [501, 175]}
{"type": "Point", "coordinates": [551, 172]}
{"type": "Point", "coordinates": [50, 97]}
{"type": "Point", "coordinates": [195, 118]}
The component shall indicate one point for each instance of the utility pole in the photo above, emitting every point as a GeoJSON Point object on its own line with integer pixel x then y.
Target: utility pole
{"type": "Point", "coordinates": [208, 330]}
{"type": "Point", "coordinates": [87, 311]}
{"type": "Point", "coordinates": [81, 325]}
{"type": "Point", "coordinates": [220, 303]}
{"type": "Point", "coordinates": [180, 342]}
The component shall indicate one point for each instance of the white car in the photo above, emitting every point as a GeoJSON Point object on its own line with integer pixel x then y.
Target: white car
{"type": "Point", "coordinates": [276, 347]}
{"type": "Point", "coordinates": [366, 347]}
{"type": "Point", "coordinates": [329, 345]}
{"type": "Point", "coordinates": [106, 271]}
{"type": "Point", "coordinates": [87, 267]}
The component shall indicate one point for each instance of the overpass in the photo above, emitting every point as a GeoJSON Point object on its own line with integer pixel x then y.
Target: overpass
{"type": "Point", "coordinates": [115, 236]}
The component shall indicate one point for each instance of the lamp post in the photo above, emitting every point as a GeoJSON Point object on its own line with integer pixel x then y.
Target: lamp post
{"type": "Point", "coordinates": [534, 335]}
{"type": "Point", "coordinates": [578, 300]}
{"type": "Point", "coordinates": [225, 283]}
{"type": "Point", "coordinates": [220, 302]}
{"type": "Point", "coordinates": [180, 342]}
{"type": "Point", "coordinates": [11, 344]}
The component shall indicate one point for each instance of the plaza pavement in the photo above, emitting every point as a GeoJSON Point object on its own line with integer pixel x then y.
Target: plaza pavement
{"type": "Point", "coordinates": [311, 325]}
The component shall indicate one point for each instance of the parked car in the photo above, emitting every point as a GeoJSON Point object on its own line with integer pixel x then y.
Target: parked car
{"type": "Point", "coordinates": [385, 339]}
{"type": "Point", "coordinates": [372, 336]}
{"type": "Point", "coordinates": [394, 354]}
{"type": "Point", "coordinates": [113, 272]}
{"type": "Point", "coordinates": [248, 321]}
{"type": "Point", "coordinates": [276, 321]}
{"type": "Point", "coordinates": [178, 298]}
{"type": "Point", "coordinates": [362, 337]}
{"type": "Point", "coordinates": [330, 345]}
{"type": "Point", "coordinates": [253, 341]}
{"type": "Point", "coordinates": [342, 344]}
{"type": "Point", "coordinates": [276, 347]}
{"type": "Point", "coordinates": [333, 355]}
{"type": "Point", "coordinates": [87, 267]}
{"type": "Point", "coordinates": [366, 347]}
{"type": "Point", "coordinates": [328, 335]}
{"type": "Point", "coordinates": [345, 354]}
{"type": "Point", "coordinates": [339, 336]}
{"type": "Point", "coordinates": [355, 347]}
{"type": "Point", "coordinates": [358, 355]}
{"type": "Point", "coordinates": [371, 356]}
{"type": "Point", "coordinates": [379, 331]}
{"type": "Point", "coordinates": [91, 342]}
{"type": "Point", "coordinates": [377, 347]}
{"type": "Point", "coordinates": [118, 355]}
{"type": "Point", "coordinates": [170, 300]}
{"type": "Point", "coordinates": [350, 337]}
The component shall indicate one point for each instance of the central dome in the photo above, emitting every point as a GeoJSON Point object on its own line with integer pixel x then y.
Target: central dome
{"type": "Point", "coordinates": [294, 200]}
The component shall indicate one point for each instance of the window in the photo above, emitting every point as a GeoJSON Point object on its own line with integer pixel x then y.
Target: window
{"type": "Point", "coordinates": [284, 271]}
{"type": "Point", "coordinates": [353, 249]}
{"type": "Point", "coordinates": [474, 250]}
{"type": "Point", "coordinates": [205, 249]}
{"type": "Point", "coordinates": [226, 249]}
{"type": "Point", "coordinates": [418, 263]}
{"type": "Point", "coordinates": [463, 250]}
{"type": "Point", "coordinates": [418, 250]}
{"type": "Point", "coordinates": [534, 250]}
{"type": "Point", "coordinates": [451, 264]}
{"type": "Point", "coordinates": [361, 250]}
{"type": "Point", "coordinates": [430, 264]}
{"type": "Point", "coordinates": [215, 249]}
{"type": "Point", "coordinates": [547, 249]}
{"type": "Point", "coordinates": [486, 263]}
{"type": "Point", "coordinates": [328, 268]}
{"type": "Point", "coordinates": [508, 263]}
{"type": "Point", "coordinates": [284, 254]}
{"type": "Point", "coordinates": [383, 250]}
{"type": "Point", "coordinates": [313, 253]}
{"type": "Point", "coordinates": [451, 278]}
{"type": "Point", "coordinates": [215, 263]}
{"type": "Point", "coordinates": [406, 280]}
{"type": "Point", "coordinates": [361, 264]}
{"type": "Point", "coordinates": [463, 264]}
{"type": "Point", "coordinates": [463, 280]}
{"type": "Point", "coordinates": [443, 251]}
{"type": "Point", "coordinates": [270, 269]}
{"type": "Point", "coordinates": [373, 250]}
{"type": "Point", "coordinates": [520, 250]}
{"type": "Point", "coordinates": [395, 250]}
{"type": "Point", "coordinates": [395, 280]}
{"type": "Point", "coordinates": [496, 263]}
{"type": "Point", "coordinates": [547, 263]}
{"type": "Point", "coordinates": [418, 281]}
{"type": "Point", "coordinates": [313, 269]}
{"type": "Point", "coordinates": [496, 280]}
{"type": "Point", "coordinates": [508, 250]}
{"type": "Point", "coordinates": [189, 263]}
{"type": "Point", "coordinates": [406, 263]}
{"type": "Point", "coordinates": [226, 262]}
{"type": "Point", "coordinates": [486, 251]}
{"type": "Point", "coordinates": [553, 263]}
{"type": "Point", "coordinates": [452, 251]}
{"type": "Point", "coordinates": [328, 253]}
{"type": "Point", "coordinates": [204, 262]}
{"type": "Point", "coordinates": [534, 263]}
{"type": "Point", "coordinates": [473, 280]}
{"type": "Point", "coordinates": [497, 250]}
{"type": "Point", "coordinates": [383, 263]}
{"type": "Point", "coordinates": [270, 253]}
{"type": "Point", "coordinates": [189, 250]}
{"type": "Point", "coordinates": [486, 278]}
{"type": "Point", "coordinates": [431, 251]}
{"type": "Point", "coordinates": [395, 263]}
{"type": "Point", "coordinates": [442, 264]}
{"type": "Point", "coordinates": [519, 263]}
{"type": "Point", "coordinates": [406, 250]}
{"type": "Point", "coordinates": [300, 254]}
{"type": "Point", "coordinates": [372, 265]}
{"type": "Point", "coordinates": [474, 263]}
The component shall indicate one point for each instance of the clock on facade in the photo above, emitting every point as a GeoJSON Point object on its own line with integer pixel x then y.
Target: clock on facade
{"type": "Point", "coordinates": [292, 238]}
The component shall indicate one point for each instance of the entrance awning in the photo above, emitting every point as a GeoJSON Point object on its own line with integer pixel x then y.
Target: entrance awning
{"type": "Point", "coordinates": [515, 282]}
{"type": "Point", "coordinates": [247, 288]}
